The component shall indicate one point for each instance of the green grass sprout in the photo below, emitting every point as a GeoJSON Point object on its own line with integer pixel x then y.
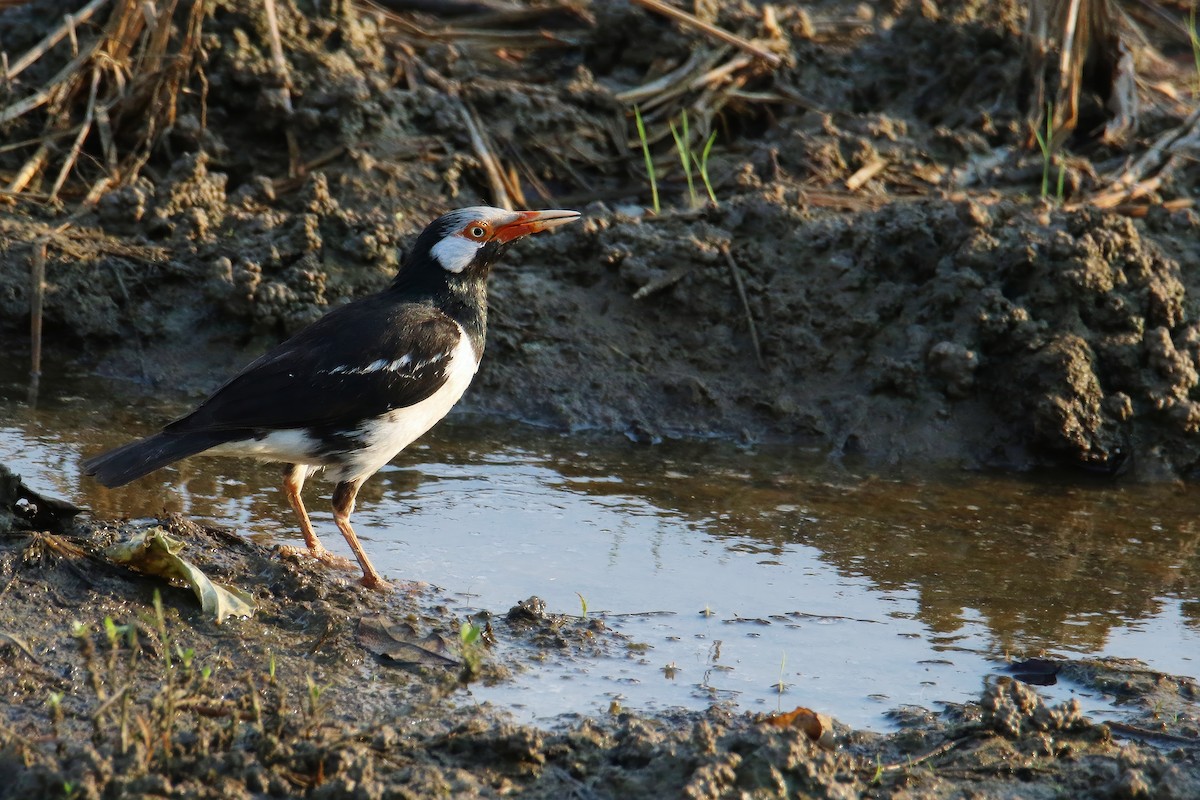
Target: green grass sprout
{"type": "Point", "coordinates": [1046, 145]}
{"type": "Point", "coordinates": [641, 129]}
{"type": "Point", "coordinates": [469, 635]}
{"type": "Point", "coordinates": [685, 154]}
{"type": "Point", "coordinates": [703, 167]}
{"type": "Point", "coordinates": [1194, 35]}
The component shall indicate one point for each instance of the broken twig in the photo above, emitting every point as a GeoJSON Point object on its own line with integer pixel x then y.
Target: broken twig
{"type": "Point", "coordinates": [863, 176]}
{"type": "Point", "coordinates": [54, 37]}
{"type": "Point", "coordinates": [712, 30]}
{"type": "Point", "coordinates": [741, 290]}
{"type": "Point", "coordinates": [495, 176]}
{"type": "Point", "coordinates": [37, 281]}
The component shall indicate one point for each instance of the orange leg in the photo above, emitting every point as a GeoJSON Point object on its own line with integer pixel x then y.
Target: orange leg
{"type": "Point", "coordinates": [343, 506]}
{"type": "Point", "coordinates": [293, 482]}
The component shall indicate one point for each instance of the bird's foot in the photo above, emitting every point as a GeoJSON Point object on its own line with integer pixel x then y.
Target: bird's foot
{"type": "Point", "coordinates": [373, 581]}
{"type": "Point", "coordinates": [320, 554]}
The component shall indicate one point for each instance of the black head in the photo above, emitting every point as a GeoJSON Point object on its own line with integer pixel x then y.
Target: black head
{"type": "Point", "coordinates": [462, 245]}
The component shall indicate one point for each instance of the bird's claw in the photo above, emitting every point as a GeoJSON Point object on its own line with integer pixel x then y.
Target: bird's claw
{"type": "Point", "coordinates": [320, 554]}
{"type": "Point", "coordinates": [377, 583]}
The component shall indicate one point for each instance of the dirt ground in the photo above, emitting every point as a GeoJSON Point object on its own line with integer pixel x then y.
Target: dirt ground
{"type": "Point", "coordinates": [878, 278]}
{"type": "Point", "coordinates": [108, 697]}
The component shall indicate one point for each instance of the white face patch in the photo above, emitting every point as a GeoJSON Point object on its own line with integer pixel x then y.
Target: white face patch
{"type": "Point", "coordinates": [455, 253]}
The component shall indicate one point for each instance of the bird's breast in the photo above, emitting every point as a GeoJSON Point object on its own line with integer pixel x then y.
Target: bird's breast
{"type": "Point", "coordinates": [381, 438]}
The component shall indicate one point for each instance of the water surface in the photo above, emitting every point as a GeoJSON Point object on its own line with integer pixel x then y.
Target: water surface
{"type": "Point", "coordinates": [740, 569]}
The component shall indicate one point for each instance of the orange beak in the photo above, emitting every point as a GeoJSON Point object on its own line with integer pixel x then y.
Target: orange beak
{"type": "Point", "coordinates": [524, 223]}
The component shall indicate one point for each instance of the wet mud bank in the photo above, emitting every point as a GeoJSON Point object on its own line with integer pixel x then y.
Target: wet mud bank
{"type": "Point", "coordinates": [934, 309]}
{"type": "Point", "coordinates": [112, 695]}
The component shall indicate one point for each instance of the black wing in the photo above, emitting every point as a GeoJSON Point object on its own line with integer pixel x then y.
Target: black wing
{"type": "Point", "coordinates": [357, 362]}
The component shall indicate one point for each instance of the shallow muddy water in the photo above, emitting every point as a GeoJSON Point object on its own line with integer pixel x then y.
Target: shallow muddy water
{"type": "Point", "coordinates": [729, 570]}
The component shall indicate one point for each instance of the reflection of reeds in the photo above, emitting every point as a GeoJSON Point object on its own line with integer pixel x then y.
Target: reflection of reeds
{"type": "Point", "coordinates": [120, 88]}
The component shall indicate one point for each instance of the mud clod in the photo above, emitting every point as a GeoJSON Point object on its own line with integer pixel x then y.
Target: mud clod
{"type": "Point", "coordinates": [1013, 709]}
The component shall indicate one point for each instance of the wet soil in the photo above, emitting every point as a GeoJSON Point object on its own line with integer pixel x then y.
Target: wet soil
{"type": "Point", "coordinates": [938, 311]}
{"type": "Point", "coordinates": [109, 696]}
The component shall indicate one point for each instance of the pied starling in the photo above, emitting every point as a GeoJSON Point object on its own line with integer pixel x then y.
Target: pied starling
{"type": "Point", "coordinates": [353, 389]}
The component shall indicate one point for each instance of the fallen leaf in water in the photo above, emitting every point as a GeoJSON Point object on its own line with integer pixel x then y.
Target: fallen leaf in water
{"type": "Point", "coordinates": [398, 642]}
{"type": "Point", "coordinates": [153, 552]}
{"type": "Point", "coordinates": [817, 727]}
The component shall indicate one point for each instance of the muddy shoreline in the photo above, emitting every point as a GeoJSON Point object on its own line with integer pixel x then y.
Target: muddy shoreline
{"type": "Point", "coordinates": [938, 311]}
{"type": "Point", "coordinates": [111, 696]}
{"type": "Point", "coordinates": [879, 280]}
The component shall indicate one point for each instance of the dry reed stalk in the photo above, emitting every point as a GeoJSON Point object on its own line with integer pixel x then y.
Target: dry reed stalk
{"type": "Point", "coordinates": [866, 173]}
{"type": "Point", "coordinates": [490, 163]}
{"type": "Point", "coordinates": [37, 294]}
{"type": "Point", "coordinates": [29, 170]}
{"type": "Point", "coordinates": [1147, 174]}
{"type": "Point", "coordinates": [483, 28]}
{"type": "Point", "coordinates": [502, 188]}
{"type": "Point", "coordinates": [285, 86]}
{"type": "Point", "coordinates": [736, 272]}
{"type": "Point", "coordinates": [88, 117]}
{"type": "Point", "coordinates": [1089, 39]}
{"type": "Point", "coordinates": [67, 28]}
{"type": "Point", "coordinates": [121, 84]}
{"type": "Point", "coordinates": [690, 20]}
{"type": "Point", "coordinates": [699, 61]}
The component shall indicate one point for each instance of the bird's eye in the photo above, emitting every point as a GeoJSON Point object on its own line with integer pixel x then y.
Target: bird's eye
{"type": "Point", "coordinates": [477, 232]}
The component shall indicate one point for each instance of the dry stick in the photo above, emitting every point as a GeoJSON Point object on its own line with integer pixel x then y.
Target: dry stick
{"type": "Point", "coordinates": [485, 155]}
{"type": "Point", "coordinates": [1163, 156]}
{"type": "Point", "coordinates": [1069, 64]}
{"type": "Point", "coordinates": [490, 164]}
{"type": "Point", "coordinates": [680, 88]}
{"type": "Point", "coordinates": [43, 95]}
{"type": "Point", "coordinates": [77, 146]}
{"type": "Point", "coordinates": [741, 290]}
{"type": "Point", "coordinates": [328, 156]}
{"type": "Point", "coordinates": [285, 89]}
{"type": "Point", "coordinates": [863, 175]}
{"type": "Point", "coordinates": [37, 279]}
{"type": "Point", "coordinates": [720, 73]}
{"type": "Point", "coordinates": [25, 143]}
{"type": "Point", "coordinates": [639, 94]}
{"type": "Point", "coordinates": [72, 34]}
{"type": "Point", "coordinates": [54, 37]}
{"type": "Point", "coordinates": [712, 30]}
{"type": "Point", "coordinates": [941, 749]}
{"type": "Point", "coordinates": [277, 48]}
{"type": "Point", "coordinates": [31, 168]}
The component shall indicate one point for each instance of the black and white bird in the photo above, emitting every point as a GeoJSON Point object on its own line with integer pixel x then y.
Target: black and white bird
{"type": "Point", "coordinates": [350, 391]}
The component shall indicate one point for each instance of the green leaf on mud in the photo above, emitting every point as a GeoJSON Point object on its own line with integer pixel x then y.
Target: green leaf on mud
{"type": "Point", "coordinates": [153, 552]}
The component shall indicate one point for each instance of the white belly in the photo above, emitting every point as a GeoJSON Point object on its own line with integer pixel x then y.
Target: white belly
{"type": "Point", "coordinates": [385, 437]}
{"type": "Point", "coordinates": [380, 439]}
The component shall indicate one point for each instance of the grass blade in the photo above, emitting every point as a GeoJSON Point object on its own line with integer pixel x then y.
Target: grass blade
{"type": "Point", "coordinates": [641, 129]}
{"type": "Point", "coordinates": [681, 144]}
{"type": "Point", "coordinates": [703, 166]}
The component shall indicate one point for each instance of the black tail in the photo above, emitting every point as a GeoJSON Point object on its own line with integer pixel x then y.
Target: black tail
{"type": "Point", "coordinates": [129, 462]}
